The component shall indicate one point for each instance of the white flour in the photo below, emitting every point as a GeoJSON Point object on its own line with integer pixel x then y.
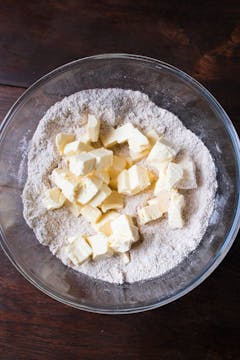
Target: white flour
{"type": "Point", "coordinates": [161, 248]}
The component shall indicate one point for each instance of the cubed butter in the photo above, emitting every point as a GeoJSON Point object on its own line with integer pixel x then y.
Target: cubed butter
{"type": "Point", "coordinates": [93, 128]}
{"type": "Point", "coordinates": [136, 156]}
{"type": "Point", "coordinates": [138, 178]}
{"type": "Point", "coordinates": [124, 133]}
{"type": "Point", "coordinates": [108, 137]}
{"type": "Point", "coordinates": [174, 174]}
{"type": "Point", "coordinates": [68, 183]}
{"type": "Point", "coordinates": [62, 139]}
{"type": "Point", "coordinates": [162, 201]}
{"type": "Point", "coordinates": [99, 244]}
{"type": "Point", "coordinates": [189, 180]}
{"type": "Point", "coordinates": [123, 226]}
{"type": "Point", "coordinates": [149, 213]}
{"type": "Point", "coordinates": [123, 183]}
{"type": "Point", "coordinates": [119, 243]}
{"type": "Point", "coordinates": [152, 136]}
{"type": "Point", "coordinates": [118, 165]}
{"type": "Point", "coordinates": [104, 158]}
{"type": "Point", "coordinates": [103, 175]}
{"type": "Point", "coordinates": [162, 151]}
{"type": "Point", "coordinates": [90, 186]}
{"type": "Point", "coordinates": [176, 206]}
{"type": "Point", "coordinates": [84, 138]}
{"type": "Point", "coordinates": [113, 202]}
{"type": "Point", "coordinates": [111, 136]}
{"type": "Point", "coordinates": [53, 198]}
{"type": "Point", "coordinates": [137, 141]}
{"type": "Point", "coordinates": [75, 208]}
{"type": "Point", "coordinates": [82, 164]}
{"type": "Point", "coordinates": [162, 182]}
{"type": "Point", "coordinates": [104, 224]}
{"type": "Point", "coordinates": [76, 147]}
{"type": "Point", "coordinates": [102, 194]}
{"type": "Point", "coordinates": [91, 214]}
{"type": "Point", "coordinates": [78, 250]}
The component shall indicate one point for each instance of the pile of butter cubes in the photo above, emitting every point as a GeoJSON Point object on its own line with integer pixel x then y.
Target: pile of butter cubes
{"type": "Point", "coordinates": [93, 182]}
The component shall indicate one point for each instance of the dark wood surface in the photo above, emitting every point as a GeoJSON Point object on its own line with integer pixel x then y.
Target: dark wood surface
{"type": "Point", "coordinates": [202, 38]}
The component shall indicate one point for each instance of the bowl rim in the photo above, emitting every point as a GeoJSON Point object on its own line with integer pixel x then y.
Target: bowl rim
{"type": "Point", "coordinates": [232, 233]}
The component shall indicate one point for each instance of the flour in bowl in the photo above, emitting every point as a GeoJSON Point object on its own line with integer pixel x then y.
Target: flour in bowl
{"type": "Point", "coordinates": [161, 248]}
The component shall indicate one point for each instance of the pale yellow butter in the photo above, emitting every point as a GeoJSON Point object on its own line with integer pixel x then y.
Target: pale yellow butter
{"type": "Point", "coordinates": [91, 214]}
{"type": "Point", "coordinates": [76, 147]}
{"type": "Point", "coordinates": [67, 182]}
{"type": "Point", "coordinates": [176, 206]}
{"type": "Point", "coordinates": [99, 244]}
{"type": "Point", "coordinates": [93, 128]}
{"type": "Point", "coordinates": [53, 198]}
{"type": "Point", "coordinates": [113, 202]}
{"type": "Point", "coordinates": [104, 224]}
{"type": "Point", "coordinates": [162, 151]}
{"type": "Point", "coordinates": [90, 186]}
{"type": "Point", "coordinates": [78, 250]}
{"type": "Point", "coordinates": [82, 164]}
{"type": "Point", "coordinates": [104, 158]}
{"type": "Point", "coordinates": [102, 194]}
{"type": "Point", "coordinates": [62, 139]}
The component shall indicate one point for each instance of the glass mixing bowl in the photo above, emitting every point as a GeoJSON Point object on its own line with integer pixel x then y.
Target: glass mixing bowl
{"type": "Point", "coordinates": [169, 88]}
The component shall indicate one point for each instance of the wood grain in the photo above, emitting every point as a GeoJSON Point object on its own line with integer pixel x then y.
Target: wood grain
{"type": "Point", "coordinates": [201, 38]}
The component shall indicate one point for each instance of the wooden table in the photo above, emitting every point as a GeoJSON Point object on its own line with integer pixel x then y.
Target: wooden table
{"type": "Point", "coordinates": [202, 38]}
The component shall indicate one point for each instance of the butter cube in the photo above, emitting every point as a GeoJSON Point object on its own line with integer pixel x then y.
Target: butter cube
{"type": "Point", "coordinates": [124, 132]}
{"type": "Point", "coordinates": [78, 250]}
{"type": "Point", "coordinates": [93, 128]}
{"type": "Point", "coordinates": [82, 164]}
{"type": "Point", "coordinates": [124, 234]}
{"type": "Point", "coordinates": [102, 194]}
{"type": "Point", "coordinates": [99, 245]}
{"type": "Point", "coordinates": [189, 174]}
{"type": "Point", "coordinates": [53, 199]}
{"type": "Point", "coordinates": [76, 147]}
{"type": "Point", "coordinates": [176, 206]}
{"type": "Point", "coordinates": [119, 243]}
{"type": "Point", "coordinates": [138, 178]}
{"type": "Point", "coordinates": [103, 175]}
{"type": "Point", "coordinates": [162, 183]}
{"type": "Point", "coordinates": [104, 158]}
{"type": "Point", "coordinates": [136, 156]}
{"type": "Point", "coordinates": [123, 226]}
{"type": "Point", "coordinates": [89, 188]}
{"type": "Point", "coordinates": [137, 141]}
{"type": "Point", "coordinates": [152, 136]}
{"type": "Point", "coordinates": [174, 174]}
{"type": "Point", "coordinates": [62, 140]}
{"type": "Point", "coordinates": [104, 224]}
{"type": "Point", "coordinates": [162, 201]}
{"type": "Point", "coordinates": [91, 214]}
{"type": "Point", "coordinates": [161, 152]}
{"type": "Point", "coordinates": [118, 165]}
{"type": "Point", "coordinates": [123, 183]}
{"type": "Point", "coordinates": [108, 137]}
{"type": "Point", "coordinates": [67, 182]}
{"type": "Point", "coordinates": [75, 208]}
{"type": "Point", "coordinates": [113, 202]}
{"type": "Point", "coordinates": [120, 135]}
{"type": "Point", "coordinates": [84, 138]}
{"type": "Point", "coordinates": [149, 213]}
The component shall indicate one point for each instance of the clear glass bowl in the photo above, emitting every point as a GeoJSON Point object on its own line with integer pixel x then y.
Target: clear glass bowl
{"type": "Point", "coordinates": [169, 88]}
